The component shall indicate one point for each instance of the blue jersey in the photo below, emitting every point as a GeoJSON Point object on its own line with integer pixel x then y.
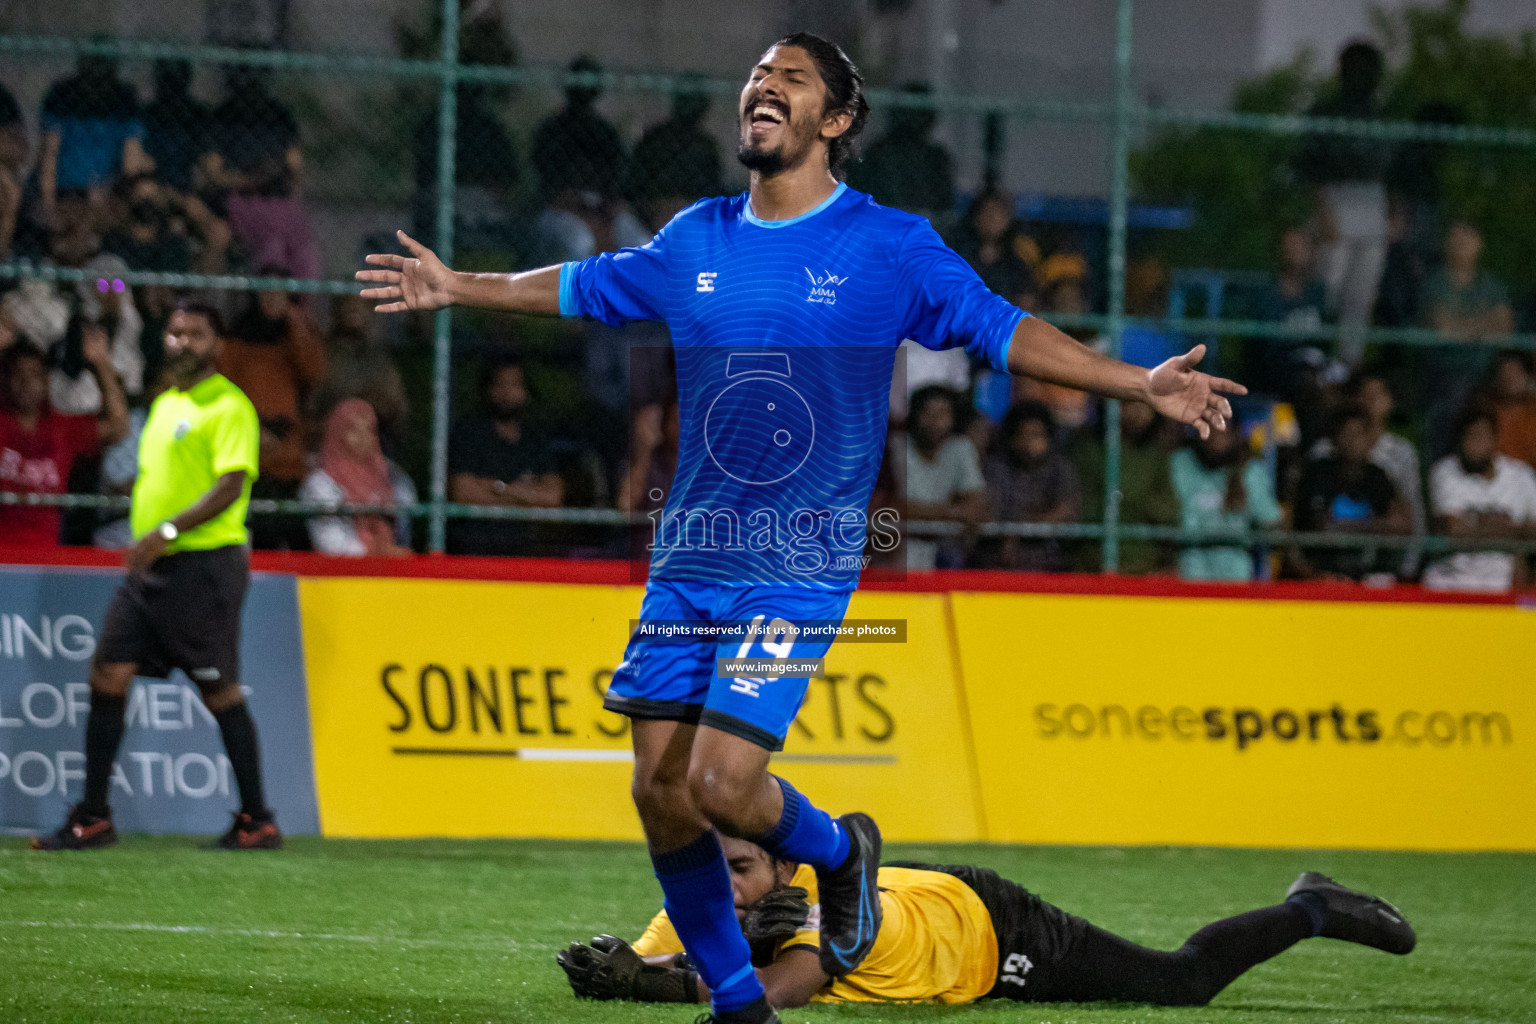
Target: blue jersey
{"type": "Point", "coordinates": [785, 335]}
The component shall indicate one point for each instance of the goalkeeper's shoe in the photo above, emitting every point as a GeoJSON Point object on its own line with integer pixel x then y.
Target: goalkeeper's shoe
{"type": "Point", "coordinates": [81, 831]}
{"type": "Point", "coordinates": [251, 833]}
{"type": "Point", "coordinates": [1357, 916]}
{"type": "Point", "coordinates": [758, 1012]}
{"type": "Point", "coordinates": [850, 899]}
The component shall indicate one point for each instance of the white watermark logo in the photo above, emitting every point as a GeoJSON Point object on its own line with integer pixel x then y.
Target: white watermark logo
{"type": "Point", "coordinates": [759, 430]}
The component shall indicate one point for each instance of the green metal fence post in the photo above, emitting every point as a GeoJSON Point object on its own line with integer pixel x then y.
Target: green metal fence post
{"type": "Point", "coordinates": [1119, 199]}
{"type": "Point", "coordinates": [442, 321]}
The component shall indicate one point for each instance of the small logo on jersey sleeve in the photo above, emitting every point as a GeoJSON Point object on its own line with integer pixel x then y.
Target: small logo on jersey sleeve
{"type": "Point", "coordinates": [183, 428]}
{"type": "Point", "coordinates": [822, 287]}
{"type": "Point", "coordinates": [707, 281]}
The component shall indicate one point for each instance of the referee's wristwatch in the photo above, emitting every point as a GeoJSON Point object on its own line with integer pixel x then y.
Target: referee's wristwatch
{"type": "Point", "coordinates": [168, 531]}
{"type": "Point", "coordinates": [499, 486]}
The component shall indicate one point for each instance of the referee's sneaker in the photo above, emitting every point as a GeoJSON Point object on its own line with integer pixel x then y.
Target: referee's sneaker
{"type": "Point", "coordinates": [188, 571]}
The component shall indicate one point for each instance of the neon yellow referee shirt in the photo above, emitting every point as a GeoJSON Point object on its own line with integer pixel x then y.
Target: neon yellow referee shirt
{"type": "Point", "coordinates": [190, 440]}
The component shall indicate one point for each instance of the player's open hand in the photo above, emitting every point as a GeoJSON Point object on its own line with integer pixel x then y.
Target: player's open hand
{"type": "Point", "coordinates": [777, 916]}
{"type": "Point", "coordinates": [1179, 391]}
{"type": "Point", "coordinates": [417, 281]}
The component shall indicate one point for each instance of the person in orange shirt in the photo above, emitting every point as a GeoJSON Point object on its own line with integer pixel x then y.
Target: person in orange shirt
{"type": "Point", "coordinates": [276, 356]}
{"type": "Point", "coordinates": [1514, 406]}
{"type": "Point", "coordinates": [955, 934]}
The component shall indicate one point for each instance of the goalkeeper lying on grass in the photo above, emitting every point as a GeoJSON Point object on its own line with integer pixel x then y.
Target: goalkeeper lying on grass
{"type": "Point", "coordinates": [953, 934]}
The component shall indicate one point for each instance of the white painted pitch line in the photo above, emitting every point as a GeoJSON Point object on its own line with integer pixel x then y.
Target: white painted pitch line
{"type": "Point", "coordinates": [259, 933]}
{"type": "Point", "coordinates": [558, 754]}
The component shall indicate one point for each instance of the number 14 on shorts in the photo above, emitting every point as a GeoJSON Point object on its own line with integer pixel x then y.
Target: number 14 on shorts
{"type": "Point", "coordinates": [778, 639]}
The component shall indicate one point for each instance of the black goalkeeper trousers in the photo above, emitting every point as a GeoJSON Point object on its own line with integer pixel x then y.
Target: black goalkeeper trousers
{"type": "Point", "coordinates": [1100, 966]}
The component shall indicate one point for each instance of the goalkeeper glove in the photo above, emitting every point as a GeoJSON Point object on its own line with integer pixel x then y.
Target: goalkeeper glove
{"type": "Point", "coordinates": [610, 969]}
{"type": "Point", "coordinates": [777, 916]}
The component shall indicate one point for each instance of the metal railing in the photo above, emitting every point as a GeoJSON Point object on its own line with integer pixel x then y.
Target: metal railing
{"type": "Point", "coordinates": [1123, 115]}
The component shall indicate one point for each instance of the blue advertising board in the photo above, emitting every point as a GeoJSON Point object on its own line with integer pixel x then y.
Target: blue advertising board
{"type": "Point", "coordinates": [171, 773]}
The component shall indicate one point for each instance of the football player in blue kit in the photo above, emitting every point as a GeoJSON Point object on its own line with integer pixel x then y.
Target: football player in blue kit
{"type": "Point", "coordinates": [786, 305]}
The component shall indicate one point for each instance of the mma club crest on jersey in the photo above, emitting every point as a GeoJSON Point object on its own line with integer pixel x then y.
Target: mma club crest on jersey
{"type": "Point", "coordinates": [822, 287]}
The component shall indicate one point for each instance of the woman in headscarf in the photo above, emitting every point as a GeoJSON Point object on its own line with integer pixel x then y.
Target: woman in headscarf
{"type": "Point", "coordinates": [351, 469]}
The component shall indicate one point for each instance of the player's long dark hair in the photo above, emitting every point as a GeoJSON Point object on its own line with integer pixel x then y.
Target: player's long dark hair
{"type": "Point", "coordinates": [845, 92]}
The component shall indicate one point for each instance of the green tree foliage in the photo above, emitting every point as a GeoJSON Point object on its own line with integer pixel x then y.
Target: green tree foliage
{"type": "Point", "coordinates": [1244, 191]}
{"type": "Point", "coordinates": [1240, 184]}
{"type": "Point", "coordinates": [1475, 80]}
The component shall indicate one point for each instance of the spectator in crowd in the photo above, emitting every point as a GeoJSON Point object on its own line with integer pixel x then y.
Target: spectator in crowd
{"type": "Point", "coordinates": [676, 161]}
{"type": "Point", "coordinates": [39, 310]}
{"type": "Point", "coordinates": [496, 460]}
{"type": "Point", "coordinates": [351, 469]}
{"type": "Point", "coordinates": [1030, 481]}
{"type": "Point", "coordinates": [277, 358]}
{"type": "Point", "coordinates": [144, 237]}
{"type": "Point", "coordinates": [487, 161]}
{"type": "Point", "coordinates": [1513, 397]}
{"type": "Point", "coordinates": [120, 468]}
{"type": "Point", "coordinates": [905, 168]}
{"type": "Point", "coordinates": [13, 157]}
{"type": "Point", "coordinates": [1414, 187]}
{"type": "Point", "coordinates": [1349, 173]}
{"type": "Point", "coordinates": [1296, 298]}
{"type": "Point", "coordinates": [1466, 304]}
{"type": "Point", "coordinates": [359, 366]}
{"type": "Point", "coordinates": [581, 165]}
{"type": "Point", "coordinates": [105, 301]}
{"type": "Point", "coordinates": [654, 437]}
{"type": "Point", "coordinates": [93, 131]}
{"type": "Point", "coordinates": [940, 476]}
{"type": "Point", "coordinates": [1463, 301]}
{"type": "Point", "coordinates": [1146, 488]}
{"type": "Point", "coordinates": [166, 230]}
{"type": "Point", "coordinates": [1220, 491]}
{"type": "Point", "coordinates": [1478, 493]}
{"type": "Point", "coordinates": [1346, 492]}
{"type": "Point", "coordinates": [255, 166]}
{"type": "Point", "coordinates": [486, 167]}
{"type": "Point", "coordinates": [38, 446]}
{"type": "Point", "coordinates": [176, 126]}
{"type": "Point", "coordinates": [577, 149]}
{"type": "Point", "coordinates": [991, 244]}
{"type": "Point", "coordinates": [1393, 453]}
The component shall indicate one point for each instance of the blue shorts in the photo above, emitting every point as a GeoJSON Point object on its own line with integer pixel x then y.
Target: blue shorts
{"type": "Point", "coordinates": [676, 681]}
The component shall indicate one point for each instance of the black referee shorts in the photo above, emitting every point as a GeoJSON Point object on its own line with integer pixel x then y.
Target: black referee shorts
{"type": "Point", "coordinates": [183, 613]}
{"type": "Point", "coordinates": [1033, 937]}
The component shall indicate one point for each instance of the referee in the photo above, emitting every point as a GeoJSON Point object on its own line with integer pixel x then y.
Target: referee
{"type": "Point", "coordinates": [179, 606]}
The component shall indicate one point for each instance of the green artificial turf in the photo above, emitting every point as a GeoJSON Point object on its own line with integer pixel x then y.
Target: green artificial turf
{"type": "Point", "coordinates": [158, 930]}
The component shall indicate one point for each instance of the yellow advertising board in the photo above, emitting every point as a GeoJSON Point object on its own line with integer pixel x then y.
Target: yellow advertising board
{"type": "Point", "coordinates": [1133, 720]}
{"type": "Point", "coordinates": [458, 708]}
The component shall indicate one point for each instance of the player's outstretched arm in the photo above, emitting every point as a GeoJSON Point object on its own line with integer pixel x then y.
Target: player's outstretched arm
{"type": "Point", "coordinates": [1175, 389]}
{"type": "Point", "coordinates": [421, 281]}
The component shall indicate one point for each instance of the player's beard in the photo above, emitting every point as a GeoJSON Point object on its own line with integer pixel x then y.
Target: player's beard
{"type": "Point", "coordinates": [781, 158]}
{"type": "Point", "coordinates": [190, 365]}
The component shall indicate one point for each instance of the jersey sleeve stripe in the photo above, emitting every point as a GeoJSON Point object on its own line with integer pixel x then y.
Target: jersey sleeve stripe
{"type": "Point", "coordinates": [568, 290]}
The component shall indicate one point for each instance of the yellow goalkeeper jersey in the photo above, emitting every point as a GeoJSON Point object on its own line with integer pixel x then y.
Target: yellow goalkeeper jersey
{"type": "Point", "coordinates": [936, 942]}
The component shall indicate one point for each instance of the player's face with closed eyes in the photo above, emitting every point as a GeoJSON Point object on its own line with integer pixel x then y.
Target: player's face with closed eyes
{"type": "Point", "coordinates": [783, 108]}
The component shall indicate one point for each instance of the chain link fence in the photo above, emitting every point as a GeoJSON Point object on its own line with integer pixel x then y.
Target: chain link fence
{"type": "Point", "coordinates": [133, 172]}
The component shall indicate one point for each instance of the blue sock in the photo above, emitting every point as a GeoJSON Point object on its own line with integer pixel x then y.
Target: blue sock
{"type": "Point", "coordinates": [805, 833]}
{"type": "Point", "coordinates": [1315, 906]}
{"type": "Point", "coordinates": [702, 908]}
